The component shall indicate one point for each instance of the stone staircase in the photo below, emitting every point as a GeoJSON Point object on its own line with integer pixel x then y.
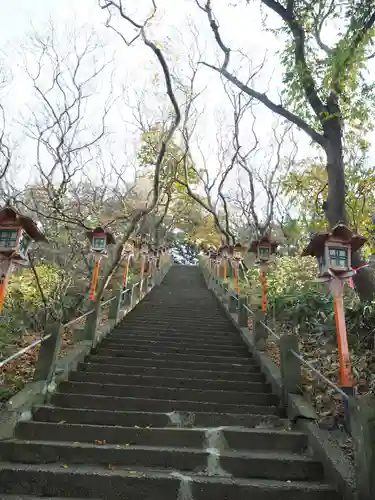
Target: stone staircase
{"type": "Point", "coordinates": [171, 406]}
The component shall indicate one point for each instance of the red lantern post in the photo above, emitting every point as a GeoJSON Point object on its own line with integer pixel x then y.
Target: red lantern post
{"type": "Point", "coordinates": [237, 256]}
{"type": "Point", "coordinates": [264, 247]}
{"type": "Point", "coordinates": [128, 252]}
{"type": "Point", "coordinates": [333, 252]}
{"type": "Point", "coordinates": [17, 232]}
{"type": "Point", "coordinates": [99, 239]}
{"type": "Point", "coordinates": [144, 253]}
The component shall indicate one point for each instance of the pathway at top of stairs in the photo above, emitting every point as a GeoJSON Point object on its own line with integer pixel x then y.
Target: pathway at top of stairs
{"type": "Point", "coordinates": [171, 406]}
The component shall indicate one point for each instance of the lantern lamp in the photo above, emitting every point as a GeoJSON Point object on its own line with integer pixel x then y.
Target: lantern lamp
{"type": "Point", "coordinates": [100, 239]}
{"type": "Point", "coordinates": [264, 247]}
{"type": "Point", "coordinates": [225, 251]}
{"type": "Point", "coordinates": [144, 248]}
{"type": "Point", "coordinates": [129, 247]}
{"type": "Point", "coordinates": [237, 252]}
{"type": "Point", "coordinates": [17, 232]}
{"type": "Point", "coordinates": [333, 251]}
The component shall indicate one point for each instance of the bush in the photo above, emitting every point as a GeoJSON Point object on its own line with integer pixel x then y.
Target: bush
{"type": "Point", "coordinates": [307, 305]}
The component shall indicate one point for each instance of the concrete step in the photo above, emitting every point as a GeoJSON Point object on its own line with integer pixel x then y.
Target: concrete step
{"type": "Point", "coordinates": [173, 343]}
{"type": "Point", "coordinates": [172, 363]}
{"type": "Point", "coordinates": [169, 393]}
{"type": "Point", "coordinates": [156, 419]}
{"type": "Point", "coordinates": [252, 374]}
{"type": "Point", "coordinates": [166, 348]}
{"type": "Point", "coordinates": [262, 465]}
{"type": "Point", "coordinates": [195, 358]}
{"type": "Point", "coordinates": [99, 402]}
{"type": "Point", "coordinates": [150, 381]}
{"type": "Point", "coordinates": [231, 439]}
{"type": "Point", "coordinates": [51, 480]}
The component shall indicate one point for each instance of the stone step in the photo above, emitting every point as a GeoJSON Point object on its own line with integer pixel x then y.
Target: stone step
{"type": "Point", "coordinates": [175, 338]}
{"type": "Point", "coordinates": [172, 363]}
{"type": "Point", "coordinates": [178, 334]}
{"type": "Point", "coordinates": [32, 497]}
{"type": "Point", "coordinates": [177, 348]}
{"type": "Point", "coordinates": [174, 343]}
{"type": "Point", "coordinates": [169, 393]}
{"type": "Point", "coordinates": [209, 357]}
{"type": "Point", "coordinates": [187, 327]}
{"type": "Point", "coordinates": [150, 381]}
{"type": "Point", "coordinates": [231, 439]}
{"type": "Point", "coordinates": [100, 402]}
{"type": "Point", "coordinates": [248, 374]}
{"type": "Point", "coordinates": [164, 316]}
{"type": "Point", "coordinates": [51, 480]}
{"type": "Point", "coordinates": [155, 419]}
{"type": "Point", "coordinates": [256, 464]}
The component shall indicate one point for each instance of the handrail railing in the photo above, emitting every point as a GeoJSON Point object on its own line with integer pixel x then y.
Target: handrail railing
{"type": "Point", "coordinates": [23, 351]}
{"type": "Point", "coordinates": [233, 294]}
{"type": "Point", "coordinates": [40, 341]}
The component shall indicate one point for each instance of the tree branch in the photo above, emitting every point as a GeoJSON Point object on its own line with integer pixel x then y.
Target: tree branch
{"type": "Point", "coordinates": [262, 97]}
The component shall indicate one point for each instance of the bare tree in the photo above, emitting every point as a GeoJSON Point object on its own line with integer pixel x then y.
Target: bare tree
{"type": "Point", "coordinates": [140, 32]}
{"type": "Point", "coordinates": [65, 83]}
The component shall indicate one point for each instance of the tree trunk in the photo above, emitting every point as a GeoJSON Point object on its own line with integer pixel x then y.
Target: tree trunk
{"type": "Point", "coordinates": [335, 208]}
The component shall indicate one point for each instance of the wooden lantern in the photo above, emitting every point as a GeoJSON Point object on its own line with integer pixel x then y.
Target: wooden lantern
{"type": "Point", "coordinates": [129, 247]}
{"type": "Point", "coordinates": [333, 251]}
{"type": "Point", "coordinates": [145, 248]}
{"type": "Point", "coordinates": [100, 239]}
{"type": "Point", "coordinates": [17, 232]}
{"type": "Point", "coordinates": [237, 251]}
{"type": "Point", "coordinates": [225, 252]}
{"type": "Point", "coordinates": [264, 247]}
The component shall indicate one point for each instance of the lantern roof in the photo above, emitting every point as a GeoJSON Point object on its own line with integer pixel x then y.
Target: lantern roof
{"type": "Point", "coordinates": [340, 234]}
{"type": "Point", "coordinates": [9, 216]}
{"type": "Point", "coordinates": [99, 230]}
{"type": "Point", "coordinates": [263, 240]}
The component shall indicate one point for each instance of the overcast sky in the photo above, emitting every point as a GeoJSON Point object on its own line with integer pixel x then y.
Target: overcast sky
{"type": "Point", "coordinates": [136, 69]}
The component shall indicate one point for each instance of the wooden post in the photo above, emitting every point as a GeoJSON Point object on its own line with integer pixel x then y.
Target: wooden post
{"type": "Point", "coordinates": [224, 269]}
{"type": "Point", "coordinates": [237, 278]}
{"type": "Point", "coordinates": [48, 353]}
{"type": "Point", "coordinates": [263, 280]}
{"type": "Point", "coordinates": [243, 315]}
{"type": "Point", "coordinates": [290, 367]}
{"type": "Point", "coordinates": [362, 424]}
{"type": "Point", "coordinates": [6, 270]}
{"type": "Point", "coordinates": [337, 289]}
{"type": "Point", "coordinates": [143, 261]}
{"type": "Point", "coordinates": [95, 278]}
{"type": "Point", "coordinates": [126, 270]}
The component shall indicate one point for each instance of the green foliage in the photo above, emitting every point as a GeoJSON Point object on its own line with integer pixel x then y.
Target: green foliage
{"type": "Point", "coordinates": [23, 290]}
{"type": "Point", "coordinates": [301, 303]}
{"type": "Point", "coordinates": [24, 307]}
{"type": "Point", "coordinates": [174, 160]}
{"type": "Point", "coordinates": [339, 67]}
{"type": "Point", "coordinates": [307, 186]}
